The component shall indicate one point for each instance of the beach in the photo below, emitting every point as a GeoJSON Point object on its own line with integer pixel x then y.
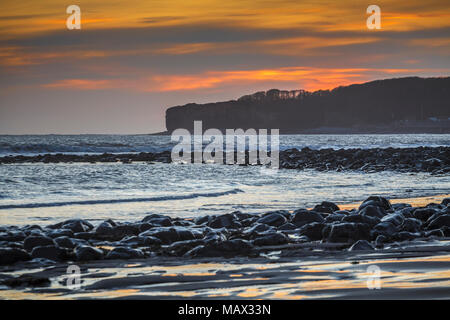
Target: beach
{"type": "Point", "coordinates": [136, 226]}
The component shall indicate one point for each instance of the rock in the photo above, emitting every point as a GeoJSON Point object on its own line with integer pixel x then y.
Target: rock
{"type": "Point", "coordinates": [271, 239]}
{"type": "Point", "coordinates": [48, 252]}
{"type": "Point", "coordinates": [181, 247]}
{"type": "Point", "coordinates": [424, 213]}
{"type": "Point", "coordinates": [13, 255]}
{"type": "Point", "coordinates": [273, 219]}
{"type": "Point", "coordinates": [400, 206]}
{"type": "Point", "coordinates": [228, 221]}
{"type": "Point", "coordinates": [86, 253]}
{"type": "Point", "coordinates": [346, 232]}
{"type": "Point", "coordinates": [326, 207]}
{"type": "Point", "coordinates": [439, 222]}
{"type": "Point", "coordinates": [411, 225]}
{"type": "Point", "coordinates": [76, 225]}
{"type": "Point", "coordinates": [12, 236]}
{"type": "Point", "coordinates": [202, 220]}
{"type": "Point", "coordinates": [377, 202]}
{"type": "Point", "coordinates": [373, 211]}
{"type": "Point", "coordinates": [37, 241]}
{"type": "Point", "coordinates": [380, 240]}
{"type": "Point", "coordinates": [435, 233]}
{"type": "Point", "coordinates": [158, 220]}
{"type": "Point", "coordinates": [84, 235]}
{"type": "Point", "coordinates": [371, 221]}
{"type": "Point", "coordinates": [303, 216]}
{"type": "Point", "coordinates": [406, 235]}
{"type": "Point", "coordinates": [27, 280]}
{"type": "Point", "coordinates": [384, 228]}
{"type": "Point", "coordinates": [65, 242]}
{"type": "Point", "coordinates": [335, 217]}
{"type": "Point", "coordinates": [125, 253]}
{"type": "Point", "coordinates": [141, 241]}
{"type": "Point", "coordinates": [172, 234]}
{"type": "Point", "coordinates": [312, 230]}
{"type": "Point", "coordinates": [228, 248]}
{"type": "Point", "coordinates": [396, 219]}
{"type": "Point", "coordinates": [104, 229]}
{"type": "Point", "coordinates": [361, 245]}
{"type": "Point", "coordinates": [60, 233]}
{"type": "Point", "coordinates": [445, 202]}
{"type": "Point", "coordinates": [287, 227]}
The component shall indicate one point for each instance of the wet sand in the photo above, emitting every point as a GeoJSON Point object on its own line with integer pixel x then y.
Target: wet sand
{"type": "Point", "coordinates": [419, 270]}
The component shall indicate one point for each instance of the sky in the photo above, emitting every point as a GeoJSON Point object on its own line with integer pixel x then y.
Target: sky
{"type": "Point", "coordinates": [131, 60]}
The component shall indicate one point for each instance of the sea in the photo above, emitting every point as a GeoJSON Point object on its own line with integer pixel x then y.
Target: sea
{"type": "Point", "coordinates": [47, 193]}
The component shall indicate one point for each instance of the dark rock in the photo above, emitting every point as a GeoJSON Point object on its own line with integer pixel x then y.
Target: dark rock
{"type": "Point", "coordinates": [271, 239]}
{"type": "Point", "coordinates": [346, 232]}
{"type": "Point", "coordinates": [37, 241]}
{"type": "Point", "coordinates": [371, 221]}
{"type": "Point", "coordinates": [228, 248]}
{"type": "Point", "coordinates": [60, 233]}
{"type": "Point", "coordinates": [76, 225]}
{"type": "Point", "coordinates": [439, 222]}
{"type": "Point", "coordinates": [411, 225]}
{"type": "Point", "coordinates": [158, 220]}
{"type": "Point", "coordinates": [424, 213]}
{"type": "Point", "coordinates": [86, 253]}
{"type": "Point", "coordinates": [287, 227]}
{"type": "Point", "coordinates": [228, 221]}
{"type": "Point", "coordinates": [377, 202]}
{"type": "Point", "coordinates": [380, 240]}
{"type": "Point", "coordinates": [384, 228]}
{"type": "Point", "coordinates": [303, 216]}
{"type": "Point", "coordinates": [65, 242]}
{"type": "Point", "coordinates": [361, 245]}
{"type": "Point", "coordinates": [48, 252]}
{"type": "Point", "coordinates": [273, 219]}
{"type": "Point", "coordinates": [12, 236]}
{"type": "Point", "coordinates": [203, 220]}
{"type": "Point", "coordinates": [445, 202]}
{"type": "Point", "coordinates": [141, 241]}
{"type": "Point", "coordinates": [181, 247]}
{"type": "Point", "coordinates": [172, 234]}
{"type": "Point", "coordinates": [326, 207]}
{"type": "Point", "coordinates": [125, 253]}
{"type": "Point", "coordinates": [84, 235]}
{"type": "Point", "coordinates": [396, 219]}
{"type": "Point", "coordinates": [27, 280]}
{"type": "Point", "coordinates": [405, 235]}
{"type": "Point", "coordinates": [373, 211]}
{"type": "Point", "coordinates": [335, 217]}
{"type": "Point", "coordinates": [13, 255]}
{"type": "Point", "coordinates": [312, 230]}
{"type": "Point", "coordinates": [104, 229]}
{"type": "Point", "coordinates": [435, 233]}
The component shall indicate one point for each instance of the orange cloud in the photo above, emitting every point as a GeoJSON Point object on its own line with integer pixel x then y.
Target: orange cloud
{"type": "Point", "coordinates": [300, 77]}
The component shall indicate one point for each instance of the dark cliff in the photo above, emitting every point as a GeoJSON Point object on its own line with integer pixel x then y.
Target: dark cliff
{"type": "Point", "coordinates": [381, 102]}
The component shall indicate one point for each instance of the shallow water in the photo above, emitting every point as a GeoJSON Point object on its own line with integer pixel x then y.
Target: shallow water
{"type": "Point", "coordinates": [37, 193]}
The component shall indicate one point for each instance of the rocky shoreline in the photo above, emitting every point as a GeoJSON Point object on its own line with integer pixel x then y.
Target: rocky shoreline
{"type": "Point", "coordinates": [375, 225]}
{"type": "Point", "coordinates": [435, 160]}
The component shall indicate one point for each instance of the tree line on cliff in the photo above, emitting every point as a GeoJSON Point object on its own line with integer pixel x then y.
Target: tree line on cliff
{"type": "Point", "coordinates": [379, 102]}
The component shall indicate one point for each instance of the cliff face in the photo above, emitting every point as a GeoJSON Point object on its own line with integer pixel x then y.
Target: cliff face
{"type": "Point", "coordinates": [373, 103]}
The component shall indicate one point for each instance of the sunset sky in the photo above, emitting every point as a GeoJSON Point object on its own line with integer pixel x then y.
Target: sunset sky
{"type": "Point", "coordinates": [132, 59]}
